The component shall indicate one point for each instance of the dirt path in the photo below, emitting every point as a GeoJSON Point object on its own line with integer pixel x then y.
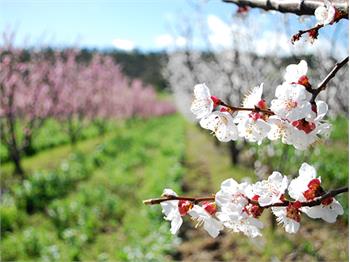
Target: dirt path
{"type": "Point", "coordinates": [207, 166]}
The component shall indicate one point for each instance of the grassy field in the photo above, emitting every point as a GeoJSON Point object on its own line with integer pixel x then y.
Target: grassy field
{"type": "Point", "coordinates": [85, 203]}
{"type": "Point", "coordinates": [90, 207]}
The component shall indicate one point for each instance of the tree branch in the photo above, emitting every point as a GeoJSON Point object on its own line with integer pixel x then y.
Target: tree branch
{"type": "Point", "coordinates": [196, 200]}
{"type": "Point", "coordinates": [298, 7]}
{"type": "Point", "coordinates": [313, 31]}
{"type": "Point", "coordinates": [255, 109]}
{"type": "Point", "coordinates": [323, 85]}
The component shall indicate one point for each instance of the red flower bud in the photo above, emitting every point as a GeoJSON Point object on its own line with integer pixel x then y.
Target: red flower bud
{"type": "Point", "coordinates": [304, 80]}
{"type": "Point", "coordinates": [304, 125]}
{"type": "Point", "coordinates": [184, 206]}
{"type": "Point", "coordinates": [262, 104]}
{"type": "Point", "coordinates": [210, 207]}
{"type": "Point", "coordinates": [216, 101]}
{"type": "Point", "coordinates": [255, 198]}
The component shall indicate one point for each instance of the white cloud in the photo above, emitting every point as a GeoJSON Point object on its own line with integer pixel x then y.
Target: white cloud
{"type": "Point", "coordinates": [247, 38]}
{"type": "Point", "coordinates": [220, 33]}
{"type": "Point", "coordinates": [123, 44]}
{"type": "Point", "coordinates": [166, 41]}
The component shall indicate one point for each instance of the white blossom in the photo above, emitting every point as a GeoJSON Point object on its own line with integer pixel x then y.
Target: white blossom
{"type": "Point", "coordinates": [269, 191]}
{"type": "Point", "coordinates": [221, 123]}
{"type": "Point", "coordinates": [281, 129]}
{"type": "Point", "coordinates": [202, 104]}
{"type": "Point", "coordinates": [244, 223]}
{"type": "Point", "coordinates": [171, 211]}
{"type": "Point", "coordinates": [307, 131]}
{"type": "Point", "coordinates": [210, 224]}
{"type": "Point", "coordinates": [231, 194]}
{"type": "Point", "coordinates": [307, 187]}
{"type": "Point", "coordinates": [292, 102]}
{"type": "Point", "coordinates": [328, 212]}
{"type": "Point", "coordinates": [232, 214]}
{"type": "Point", "coordinates": [290, 224]}
{"type": "Point", "coordinates": [295, 72]}
{"type": "Point", "coordinates": [253, 130]}
{"type": "Point", "coordinates": [325, 14]}
{"type": "Point", "coordinates": [252, 125]}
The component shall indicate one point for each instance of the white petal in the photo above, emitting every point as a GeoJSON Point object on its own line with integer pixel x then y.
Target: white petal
{"type": "Point", "coordinates": [291, 226]}
{"type": "Point", "coordinates": [307, 171]}
{"type": "Point", "coordinates": [322, 109]}
{"type": "Point", "coordinates": [328, 213]}
{"type": "Point", "coordinates": [302, 68]}
{"type": "Point", "coordinates": [253, 97]}
{"type": "Point", "coordinates": [213, 227]}
{"type": "Point", "coordinates": [201, 91]}
{"type": "Point", "coordinates": [176, 224]}
{"type": "Point", "coordinates": [169, 192]}
{"type": "Point", "coordinates": [170, 209]}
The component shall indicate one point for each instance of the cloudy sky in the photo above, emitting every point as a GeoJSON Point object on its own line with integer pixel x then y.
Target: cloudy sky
{"type": "Point", "coordinates": [147, 25]}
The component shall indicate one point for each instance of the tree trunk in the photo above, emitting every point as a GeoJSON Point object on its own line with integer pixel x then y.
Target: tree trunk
{"type": "Point", "coordinates": [16, 159]}
{"type": "Point", "coordinates": [28, 148]}
{"type": "Point", "coordinates": [72, 138]}
{"type": "Point", "coordinates": [234, 152]}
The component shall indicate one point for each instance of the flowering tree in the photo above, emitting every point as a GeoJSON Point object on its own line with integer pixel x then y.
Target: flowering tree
{"type": "Point", "coordinates": [295, 116]}
{"type": "Point", "coordinates": [231, 68]}
{"type": "Point", "coordinates": [22, 87]}
{"type": "Point", "coordinates": [35, 87]}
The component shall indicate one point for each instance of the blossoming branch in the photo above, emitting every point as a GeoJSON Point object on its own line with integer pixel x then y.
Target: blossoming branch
{"type": "Point", "coordinates": [238, 206]}
{"type": "Point", "coordinates": [294, 116]}
{"type": "Point", "coordinates": [327, 14]}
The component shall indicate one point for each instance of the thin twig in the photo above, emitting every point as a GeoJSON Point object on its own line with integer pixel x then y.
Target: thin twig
{"type": "Point", "coordinates": [314, 30]}
{"type": "Point", "coordinates": [197, 200]}
{"type": "Point", "coordinates": [155, 201]}
{"type": "Point", "coordinates": [322, 86]}
{"type": "Point", "coordinates": [298, 35]}
{"type": "Point", "coordinates": [255, 109]}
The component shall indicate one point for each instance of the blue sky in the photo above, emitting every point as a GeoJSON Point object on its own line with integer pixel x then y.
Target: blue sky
{"type": "Point", "coordinates": [97, 23]}
{"type": "Point", "coordinates": [142, 24]}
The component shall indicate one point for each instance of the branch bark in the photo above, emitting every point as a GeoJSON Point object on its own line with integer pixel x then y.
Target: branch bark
{"type": "Point", "coordinates": [298, 7]}
{"type": "Point", "coordinates": [196, 200]}
{"type": "Point", "coordinates": [322, 86]}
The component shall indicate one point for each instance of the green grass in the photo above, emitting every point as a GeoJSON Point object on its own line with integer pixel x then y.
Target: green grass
{"type": "Point", "coordinates": [52, 134]}
{"type": "Point", "coordinates": [97, 213]}
{"type": "Point", "coordinates": [103, 216]}
{"type": "Point", "coordinates": [49, 159]}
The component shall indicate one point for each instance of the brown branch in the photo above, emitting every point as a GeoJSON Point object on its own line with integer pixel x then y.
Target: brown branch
{"type": "Point", "coordinates": [323, 85]}
{"type": "Point", "coordinates": [197, 200]}
{"type": "Point", "coordinates": [154, 201]}
{"type": "Point", "coordinates": [313, 31]}
{"type": "Point", "coordinates": [255, 109]}
{"type": "Point", "coordinates": [298, 7]}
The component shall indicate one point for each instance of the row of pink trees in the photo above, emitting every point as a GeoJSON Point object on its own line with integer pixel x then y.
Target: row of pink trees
{"type": "Point", "coordinates": [59, 86]}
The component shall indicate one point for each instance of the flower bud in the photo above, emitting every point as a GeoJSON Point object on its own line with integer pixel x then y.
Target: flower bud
{"type": "Point", "coordinates": [184, 206]}
{"type": "Point", "coordinates": [210, 207]}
